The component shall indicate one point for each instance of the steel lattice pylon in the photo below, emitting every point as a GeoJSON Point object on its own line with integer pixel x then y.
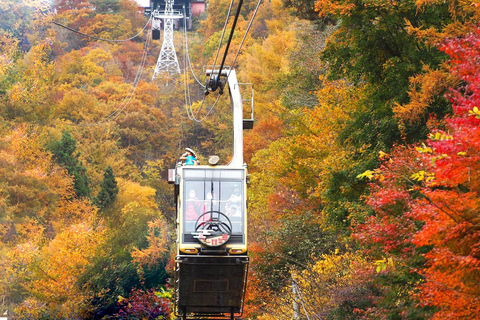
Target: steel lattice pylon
{"type": "Point", "coordinates": [167, 60]}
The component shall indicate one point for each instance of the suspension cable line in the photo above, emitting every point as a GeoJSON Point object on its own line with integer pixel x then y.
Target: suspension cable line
{"type": "Point", "coordinates": [102, 39]}
{"type": "Point", "coordinates": [193, 115]}
{"type": "Point", "coordinates": [187, 53]}
{"type": "Point", "coordinates": [213, 85]}
{"type": "Point", "coordinates": [244, 36]}
{"type": "Point", "coordinates": [223, 33]}
{"type": "Point", "coordinates": [188, 104]}
{"type": "Point", "coordinates": [237, 14]}
{"type": "Point", "coordinates": [138, 76]}
{"type": "Point", "coordinates": [126, 100]}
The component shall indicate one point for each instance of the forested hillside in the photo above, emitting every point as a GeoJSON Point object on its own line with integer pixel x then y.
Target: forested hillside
{"type": "Point", "coordinates": [364, 158]}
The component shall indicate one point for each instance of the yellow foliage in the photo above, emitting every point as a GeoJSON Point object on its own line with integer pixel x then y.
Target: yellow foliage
{"type": "Point", "coordinates": [438, 136]}
{"type": "Point", "coordinates": [315, 289]}
{"type": "Point", "coordinates": [424, 149]}
{"type": "Point", "coordinates": [71, 210]}
{"type": "Point", "coordinates": [329, 7]}
{"type": "Point", "coordinates": [31, 230]}
{"type": "Point", "coordinates": [60, 265]}
{"type": "Point", "coordinates": [28, 149]}
{"type": "Point", "coordinates": [367, 174]}
{"type": "Point", "coordinates": [328, 274]}
{"type": "Point", "coordinates": [133, 194]}
{"type": "Point", "coordinates": [158, 244]}
{"type": "Point", "coordinates": [28, 97]}
{"type": "Point", "coordinates": [423, 176]}
{"type": "Point", "coordinates": [31, 308]}
{"type": "Point", "coordinates": [85, 67]}
{"type": "Point", "coordinates": [382, 265]}
{"type": "Point", "coordinates": [101, 148]}
{"type": "Point", "coordinates": [264, 61]}
{"type": "Point", "coordinates": [424, 89]}
{"type": "Point", "coordinates": [78, 106]}
{"type": "Point", "coordinates": [474, 112]}
{"type": "Point", "coordinates": [267, 317]}
{"type": "Point", "coordinates": [8, 47]}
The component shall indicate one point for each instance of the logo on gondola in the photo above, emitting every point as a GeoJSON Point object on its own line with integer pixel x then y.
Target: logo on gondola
{"type": "Point", "coordinates": [213, 228]}
{"type": "Point", "coordinates": [211, 238]}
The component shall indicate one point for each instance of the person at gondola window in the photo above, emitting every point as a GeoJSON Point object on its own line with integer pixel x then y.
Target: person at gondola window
{"type": "Point", "coordinates": [210, 203]}
{"type": "Point", "coordinates": [234, 203]}
{"type": "Point", "coordinates": [192, 199]}
{"type": "Point", "coordinates": [189, 157]}
{"type": "Point", "coordinates": [191, 214]}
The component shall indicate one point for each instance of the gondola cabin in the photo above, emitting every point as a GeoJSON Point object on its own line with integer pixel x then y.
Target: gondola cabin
{"type": "Point", "coordinates": [211, 258]}
{"type": "Point", "coordinates": [211, 262]}
{"type": "Point", "coordinates": [213, 210]}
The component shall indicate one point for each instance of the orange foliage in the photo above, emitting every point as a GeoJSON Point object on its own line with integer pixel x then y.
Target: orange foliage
{"type": "Point", "coordinates": [442, 193]}
{"type": "Point", "coordinates": [333, 7]}
{"type": "Point", "coordinates": [62, 262]}
{"type": "Point", "coordinates": [108, 26]}
{"type": "Point", "coordinates": [262, 134]}
{"type": "Point", "coordinates": [256, 295]}
{"type": "Point", "coordinates": [158, 245]}
{"type": "Point", "coordinates": [424, 89]}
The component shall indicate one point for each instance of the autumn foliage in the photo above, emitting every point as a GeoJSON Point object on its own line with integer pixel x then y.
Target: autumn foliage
{"type": "Point", "coordinates": [363, 161]}
{"type": "Point", "coordinates": [426, 198]}
{"type": "Point", "coordinates": [452, 198]}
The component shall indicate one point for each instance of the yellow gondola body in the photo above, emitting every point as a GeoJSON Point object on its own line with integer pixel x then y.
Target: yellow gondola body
{"type": "Point", "coordinates": [212, 261]}
{"type": "Point", "coordinates": [211, 252]}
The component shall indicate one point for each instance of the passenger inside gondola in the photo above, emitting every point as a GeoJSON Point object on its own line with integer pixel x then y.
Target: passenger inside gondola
{"type": "Point", "coordinates": [233, 206]}
{"type": "Point", "coordinates": [206, 199]}
{"type": "Point", "coordinates": [210, 203]}
{"type": "Point", "coordinates": [233, 209]}
{"type": "Point", "coordinates": [190, 213]}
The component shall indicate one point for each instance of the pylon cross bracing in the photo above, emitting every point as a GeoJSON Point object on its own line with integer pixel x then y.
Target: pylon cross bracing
{"type": "Point", "coordinates": [167, 60]}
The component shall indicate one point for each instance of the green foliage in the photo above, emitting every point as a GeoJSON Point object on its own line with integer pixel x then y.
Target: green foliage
{"type": "Point", "coordinates": [295, 244]}
{"type": "Point", "coordinates": [16, 17]}
{"type": "Point", "coordinates": [313, 138]}
{"type": "Point", "coordinates": [106, 6]}
{"type": "Point", "coordinates": [113, 272]}
{"type": "Point", "coordinates": [108, 190]}
{"type": "Point", "coordinates": [64, 153]}
{"type": "Point", "coordinates": [373, 45]}
{"type": "Point", "coordinates": [305, 9]}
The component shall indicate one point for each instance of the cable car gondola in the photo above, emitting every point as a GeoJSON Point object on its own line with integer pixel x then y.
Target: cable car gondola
{"type": "Point", "coordinates": [211, 263]}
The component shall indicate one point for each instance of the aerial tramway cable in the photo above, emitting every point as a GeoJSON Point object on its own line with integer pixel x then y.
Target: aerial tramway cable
{"type": "Point", "coordinates": [188, 104]}
{"type": "Point", "coordinates": [102, 39]}
{"type": "Point", "coordinates": [245, 36]}
{"type": "Point", "coordinates": [223, 33]}
{"type": "Point", "coordinates": [237, 14]}
{"type": "Point", "coordinates": [187, 53]}
{"type": "Point", "coordinates": [214, 82]}
{"type": "Point", "coordinates": [138, 76]}
{"type": "Point", "coordinates": [133, 88]}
